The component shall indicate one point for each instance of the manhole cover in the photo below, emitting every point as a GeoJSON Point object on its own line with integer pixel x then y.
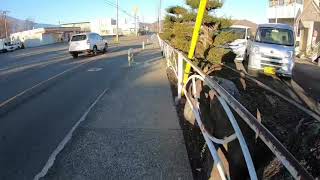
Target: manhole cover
{"type": "Point", "coordinates": [94, 69]}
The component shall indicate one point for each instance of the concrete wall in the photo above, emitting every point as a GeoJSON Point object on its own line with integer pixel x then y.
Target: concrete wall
{"type": "Point", "coordinates": [36, 37]}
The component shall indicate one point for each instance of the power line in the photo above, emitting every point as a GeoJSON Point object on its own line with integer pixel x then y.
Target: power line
{"type": "Point", "coordinates": [122, 10]}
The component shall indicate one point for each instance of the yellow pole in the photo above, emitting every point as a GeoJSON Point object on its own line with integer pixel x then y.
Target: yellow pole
{"type": "Point", "coordinates": [195, 36]}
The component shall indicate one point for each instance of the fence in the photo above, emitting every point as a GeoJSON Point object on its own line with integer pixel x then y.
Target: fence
{"type": "Point", "coordinates": [176, 61]}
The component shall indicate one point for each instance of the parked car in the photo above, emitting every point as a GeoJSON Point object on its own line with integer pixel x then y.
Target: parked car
{"type": "Point", "coordinates": [7, 46]}
{"type": "Point", "coordinates": [239, 45]}
{"type": "Point", "coordinates": [19, 44]}
{"type": "Point", "coordinates": [87, 43]}
{"type": "Point", "coordinates": [272, 49]}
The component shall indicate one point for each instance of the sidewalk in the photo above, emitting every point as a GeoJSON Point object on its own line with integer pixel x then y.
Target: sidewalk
{"type": "Point", "coordinates": [132, 133]}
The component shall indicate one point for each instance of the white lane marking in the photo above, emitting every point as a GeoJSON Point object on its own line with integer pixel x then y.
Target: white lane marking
{"type": "Point", "coordinates": [62, 144]}
{"type": "Point", "coordinates": [92, 59]}
{"type": "Point", "coordinates": [94, 69]}
{"type": "Point", "coordinates": [23, 67]}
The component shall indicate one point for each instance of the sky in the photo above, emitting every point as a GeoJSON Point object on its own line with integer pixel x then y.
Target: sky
{"type": "Point", "coordinates": [66, 11]}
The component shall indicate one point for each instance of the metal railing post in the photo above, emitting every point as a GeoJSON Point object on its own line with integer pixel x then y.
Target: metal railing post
{"type": "Point", "coordinates": [180, 74]}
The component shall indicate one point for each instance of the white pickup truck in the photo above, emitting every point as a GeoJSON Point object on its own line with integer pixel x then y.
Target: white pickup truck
{"type": "Point", "coordinates": [239, 45]}
{"type": "Point", "coordinates": [7, 46]}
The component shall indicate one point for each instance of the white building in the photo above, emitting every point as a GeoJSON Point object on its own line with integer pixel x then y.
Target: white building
{"type": "Point", "coordinates": [107, 26]}
{"type": "Point", "coordinates": [284, 11]}
{"type": "Point", "coordinates": [84, 26]}
{"type": "Point", "coordinates": [304, 16]}
{"type": "Point", "coordinates": [44, 36]}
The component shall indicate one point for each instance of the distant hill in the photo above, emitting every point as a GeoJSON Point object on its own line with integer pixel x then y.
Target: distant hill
{"type": "Point", "coordinates": [245, 22]}
{"type": "Point", "coordinates": [18, 25]}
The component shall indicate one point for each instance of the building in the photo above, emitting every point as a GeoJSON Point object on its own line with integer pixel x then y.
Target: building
{"type": "Point", "coordinates": [308, 25]}
{"type": "Point", "coordinates": [304, 16]}
{"type": "Point", "coordinates": [284, 11]}
{"type": "Point", "coordinates": [107, 26]}
{"type": "Point", "coordinates": [104, 26]}
{"type": "Point", "coordinates": [44, 36]}
{"type": "Point", "coordinates": [84, 26]}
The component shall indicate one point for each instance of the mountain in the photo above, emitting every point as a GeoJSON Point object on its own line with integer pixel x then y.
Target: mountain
{"type": "Point", "coordinates": [18, 25]}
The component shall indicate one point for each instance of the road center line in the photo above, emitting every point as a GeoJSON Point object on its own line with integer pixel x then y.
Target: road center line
{"type": "Point", "coordinates": [63, 143]}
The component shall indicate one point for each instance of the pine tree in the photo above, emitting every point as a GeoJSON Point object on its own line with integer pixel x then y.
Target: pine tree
{"type": "Point", "coordinates": [178, 27]}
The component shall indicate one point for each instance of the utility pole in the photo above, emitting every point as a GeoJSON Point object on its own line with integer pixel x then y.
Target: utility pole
{"type": "Point", "coordinates": [135, 23]}
{"type": "Point", "coordinates": [277, 6]}
{"type": "Point", "coordinates": [117, 31]}
{"type": "Point", "coordinates": [159, 17]}
{"type": "Point", "coordinates": [135, 9]}
{"type": "Point", "coordinates": [4, 13]}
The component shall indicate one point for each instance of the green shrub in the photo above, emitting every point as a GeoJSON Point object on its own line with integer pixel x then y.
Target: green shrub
{"type": "Point", "coordinates": [179, 24]}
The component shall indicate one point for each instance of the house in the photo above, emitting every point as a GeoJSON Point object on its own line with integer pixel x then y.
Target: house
{"type": "Point", "coordinates": [84, 26]}
{"type": "Point", "coordinates": [308, 24]}
{"type": "Point", "coordinates": [284, 11]}
{"type": "Point", "coordinates": [304, 16]}
{"type": "Point", "coordinates": [106, 26]}
{"type": "Point", "coordinates": [44, 36]}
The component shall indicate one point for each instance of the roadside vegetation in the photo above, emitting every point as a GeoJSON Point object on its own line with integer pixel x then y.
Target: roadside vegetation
{"type": "Point", "coordinates": [298, 131]}
{"type": "Point", "coordinates": [178, 29]}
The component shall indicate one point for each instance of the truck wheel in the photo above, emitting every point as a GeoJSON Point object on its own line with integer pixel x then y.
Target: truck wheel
{"type": "Point", "coordinates": [95, 50]}
{"type": "Point", "coordinates": [75, 55]}
{"type": "Point", "coordinates": [253, 72]}
{"type": "Point", "coordinates": [105, 49]}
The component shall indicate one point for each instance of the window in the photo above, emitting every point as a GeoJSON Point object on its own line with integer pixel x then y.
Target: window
{"type": "Point", "coordinates": [79, 38]}
{"type": "Point", "coordinates": [275, 36]}
{"type": "Point", "coordinates": [239, 32]}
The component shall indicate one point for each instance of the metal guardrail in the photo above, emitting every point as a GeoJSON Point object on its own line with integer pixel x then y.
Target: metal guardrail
{"type": "Point", "coordinates": [175, 61]}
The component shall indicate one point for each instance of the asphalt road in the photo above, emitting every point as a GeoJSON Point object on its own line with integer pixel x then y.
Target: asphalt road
{"type": "Point", "coordinates": [44, 92]}
{"type": "Point", "coordinates": [308, 77]}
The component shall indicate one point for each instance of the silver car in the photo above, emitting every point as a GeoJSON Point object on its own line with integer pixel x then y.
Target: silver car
{"type": "Point", "coordinates": [272, 48]}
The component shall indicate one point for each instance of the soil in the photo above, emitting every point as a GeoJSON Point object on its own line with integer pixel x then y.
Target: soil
{"type": "Point", "coordinates": [299, 132]}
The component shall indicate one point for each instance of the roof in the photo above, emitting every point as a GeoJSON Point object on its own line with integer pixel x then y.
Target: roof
{"type": "Point", "coordinates": [240, 26]}
{"type": "Point", "coordinates": [311, 12]}
{"type": "Point", "coordinates": [244, 22]}
{"type": "Point", "coordinates": [277, 25]}
{"type": "Point", "coordinates": [75, 23]}
{"type": "Point", "coordinates": [86, 33]}
{"type": "Point", "coordinates": [47, 30]}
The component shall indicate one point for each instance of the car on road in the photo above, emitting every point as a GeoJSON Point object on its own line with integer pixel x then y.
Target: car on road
{"type": "Point", "coordinates": [7, 46]}
{"type": "Point", "coordinates": [272, 49]}
{"type": "Point", "coordinates": [87, 43]}
{"type": "Point", "coordinates": [239, 45]}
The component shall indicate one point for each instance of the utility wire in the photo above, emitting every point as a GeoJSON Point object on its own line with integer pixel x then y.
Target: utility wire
{"type": "Point", "coordinates": [122, 10]}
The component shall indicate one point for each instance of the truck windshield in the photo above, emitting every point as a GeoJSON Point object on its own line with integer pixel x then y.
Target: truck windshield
{"type": "Point", "coordinates": [240, 32]}
{"type": "Point", "coordinates": [275, 36]}
{"type": "Point", "coordinates": [79, 38]}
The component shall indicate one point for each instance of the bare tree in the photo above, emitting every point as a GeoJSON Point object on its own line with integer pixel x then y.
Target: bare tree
{"type": "Point", "coordinates": [5, 25]}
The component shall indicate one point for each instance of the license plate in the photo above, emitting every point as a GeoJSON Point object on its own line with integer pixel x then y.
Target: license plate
{"type": "Point", "coordinates": [269, 70]}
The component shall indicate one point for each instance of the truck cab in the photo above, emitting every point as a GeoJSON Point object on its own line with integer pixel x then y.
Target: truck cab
{"type": "Point", "coordinates": [273, 47]}
{"type": "Point", "coordinates": [6, 46]}
{"type": "Point", "coordinates": [239, 45]}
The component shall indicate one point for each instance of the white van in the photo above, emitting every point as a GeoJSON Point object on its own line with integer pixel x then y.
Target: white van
{"type": "Point", "coordinates": [7, 46]}
{"type": "Point", "coordinates": [239, 45]}
{"type": "Point", "coordinates": [87, 43]}
{"type": "Point", "coordinates": [272, 49]}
